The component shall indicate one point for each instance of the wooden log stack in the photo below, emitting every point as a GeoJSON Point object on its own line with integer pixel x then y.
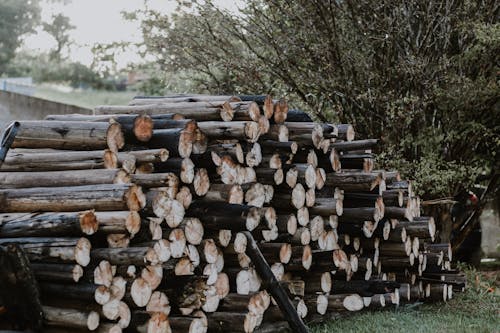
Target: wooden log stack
{"type": "Point", "coordinates": [135, 218]}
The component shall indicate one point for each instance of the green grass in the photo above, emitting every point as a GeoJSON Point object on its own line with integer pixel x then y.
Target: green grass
{"type": "Point", "coordinates": [475, 310]}
{"type": "Point", "coordinates": [84, 98]}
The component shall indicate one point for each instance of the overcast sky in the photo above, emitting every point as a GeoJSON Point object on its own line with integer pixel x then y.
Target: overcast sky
{"type": "Point", "coordinates": [100, 21]}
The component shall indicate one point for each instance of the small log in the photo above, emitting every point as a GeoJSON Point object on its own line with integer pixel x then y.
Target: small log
{"type": "Point", "coordinates": [218, 215]}
{"type": "Point", "coordinates": [178, 142]}
{"type": "Point", "coordinates": [118, 222]}
{"type": "Point", "coordinates": [182, 168]}
{"type": "Point", "coordinates": [146, 156]}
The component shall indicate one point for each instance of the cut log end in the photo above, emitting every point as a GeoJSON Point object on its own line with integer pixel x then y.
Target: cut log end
{"type": "Point", "coordinates": [114, 137]}
{"type": "Point", "coordinates": [252, 131]}
{"type": "Point", "coordinates": [226, 112]}
{"type": "Point", "coordinates": [88, 222]}
{"type": "Point", "coordinates": [353, 303]}
{"type": "Point", "coordinates": [143, 128]}
{"type": "Point", "coordinates": [141, 292]}
{"type": "Point", "coordinates": [82, 251]}
{"type": "Point", "coordinates": [135, 198]}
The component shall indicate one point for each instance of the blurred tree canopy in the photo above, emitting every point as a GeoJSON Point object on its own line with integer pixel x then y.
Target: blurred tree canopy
{"type": "Point", "coordinates": [59, 29]}
{"type": "Point", "coordinates": [17, 18]}
{"type": "Point", "coordinates": [420, 75]}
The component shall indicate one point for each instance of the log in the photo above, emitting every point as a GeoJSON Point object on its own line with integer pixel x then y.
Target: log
{"type": "Point", "coordinates": [219, 215]}
{"type": "Point", "coordinates": [240, 130]}
{"type": "Point", "coordinates": [277, 133]}
{"type": "Point", "coordinates": [181, 167]}
{"type": "Point", "coordinates": [48, 224]}
{"type": "Point", "coordinates": [55, 249]}
{"type": "Point", "coordinates": [57, 272]}
{"type": "Point", "coordinates": [354, 145]}
{"type": "Point", "coordinates": [118, 222]}
{"type": "Point", "coordinates": [356, 181]}
{"type": "Point", "coordinates": [199, 111]}
{"type": "Point", "coordinates": [167, 179]}
{"type": "Point", "coordinates": [345, 132]}
{"type": "Point", "coordinates": [188, 324]}
{"type": "Point", "coordinates": [139, 127]}
{"type": "Point", "coordinates": [69, 135]}
{"type": "Point", "coordinates": [63, 178]}
{"type": "Point", "coordinates": [146, 156]}
{"type": "Point", "coordinates": [178, 142]}
{"type": "Point", "coordinates": [75, 198]}
{"type": "Point", "coordinates": [181, 98]}
{"type": "Point", "coordinates": [327, 207]}
{"type": "Point", "coordinates": [138, 256]}
{"type": "Point", "coordinates": [70, 318]}
{"type": "Point", "coordinates": [58, 160]}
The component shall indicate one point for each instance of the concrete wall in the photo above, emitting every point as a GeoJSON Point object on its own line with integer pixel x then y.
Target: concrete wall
{"type": "Point", "coordinates": [21, 107]}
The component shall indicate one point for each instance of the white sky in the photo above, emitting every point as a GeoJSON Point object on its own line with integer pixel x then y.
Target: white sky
{"type": "Point", "coordinates": [100, 21]}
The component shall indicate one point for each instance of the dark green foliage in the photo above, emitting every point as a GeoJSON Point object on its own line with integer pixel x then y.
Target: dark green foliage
{"type": "Point", "coordinates": [420, 75]}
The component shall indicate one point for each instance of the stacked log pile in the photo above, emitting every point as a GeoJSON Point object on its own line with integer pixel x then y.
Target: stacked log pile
{"type": "Point", "coordinates": [135, 218]}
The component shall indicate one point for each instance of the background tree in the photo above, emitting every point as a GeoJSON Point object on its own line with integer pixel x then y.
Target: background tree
{"type": "Point", "coordinates": [59, 29]}
{"type": "Point", "coordinates": [17, 18]}
{"type": "Point", "coordinates": [421, 75]}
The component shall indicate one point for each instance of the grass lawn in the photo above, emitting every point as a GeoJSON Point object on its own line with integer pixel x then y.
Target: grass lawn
{"type": "Point", "coordinates": [475, 310]}
{"type": "Point", "coordinates": [84, 98]}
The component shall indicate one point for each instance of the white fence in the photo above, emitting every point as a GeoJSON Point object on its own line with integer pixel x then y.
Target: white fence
{"type": "Point", "coordinates": [18, 85]}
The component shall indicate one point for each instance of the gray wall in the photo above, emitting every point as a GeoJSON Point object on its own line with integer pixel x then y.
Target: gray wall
{"type": "Point", "coordinates": [21, 107]}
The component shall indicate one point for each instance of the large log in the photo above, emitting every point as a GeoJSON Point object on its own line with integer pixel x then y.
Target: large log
{"type": "Point", "coordinates": [69, 135]}
{"type": "Point", "coordinates": [48, 224]}
{"type": "Point", "coordinates": [136, 127]}
{"type": "Point", "coordinates": [63, 178]}
{"type": "Point", "coordinates": [200, 111]}
{"type": "Point", "coordinates": [56, 249]}
{"type": "Point", "coordinates": [53, 160]}
{"type": "Point", "coordinates": [185, 98]}
{"type": "Point", "coordinates": [75, 198]}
